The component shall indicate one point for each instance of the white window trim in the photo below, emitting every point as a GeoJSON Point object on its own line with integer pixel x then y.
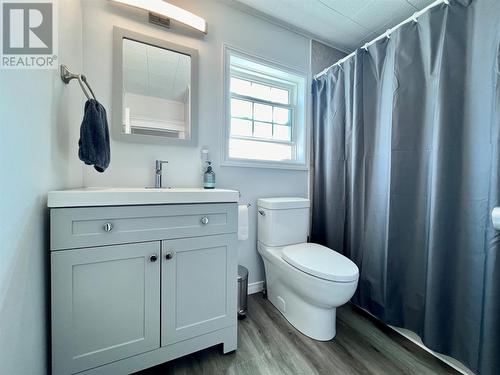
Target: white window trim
{"type": "Point", "coordinates": [226, 96]}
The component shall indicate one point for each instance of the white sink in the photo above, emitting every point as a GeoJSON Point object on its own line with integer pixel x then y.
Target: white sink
{"type": "Point", "coordinates": [87, 197]}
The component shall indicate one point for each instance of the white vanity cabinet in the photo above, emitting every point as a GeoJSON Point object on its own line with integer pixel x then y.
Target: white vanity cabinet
{"type": "Point", "coordinates": [136, 286]}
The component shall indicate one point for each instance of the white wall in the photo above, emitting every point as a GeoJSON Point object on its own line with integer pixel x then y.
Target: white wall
{"type": "Point", "coordinates": [153, 107]}
{"type": "Point", "coordinates": [132, 164]}
{"type": "Point", "coordinates": [39, 119]}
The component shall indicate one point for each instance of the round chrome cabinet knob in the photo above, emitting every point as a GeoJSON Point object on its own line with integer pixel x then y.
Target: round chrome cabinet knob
{"type": "Point", "coordinates": [169, 255]}
{"type": "Point", "coordinates": [204, 220]}
{"type": "Point", "coordinates": [153, 258]}
{"type": "Point", "coordinates": [108, 227]}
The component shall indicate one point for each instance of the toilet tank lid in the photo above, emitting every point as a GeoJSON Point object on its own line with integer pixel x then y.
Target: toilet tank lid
{"type": "Point", "coordinates": [283, 203]}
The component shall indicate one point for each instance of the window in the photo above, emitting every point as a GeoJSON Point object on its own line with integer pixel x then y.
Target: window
{"type": "Point", "coordinates": [265, 114]}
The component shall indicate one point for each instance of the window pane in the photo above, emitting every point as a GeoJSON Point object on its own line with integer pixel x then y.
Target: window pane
{"type": "Point", "coordinates": [264, 100]}
{"type": "Point", "coordinates": [281, 115]}
{"type": "Point", "coordinates": [282, 133]}
{"type": "Point", "coordinates": [241, 87]}
{"type": "Point", "coordinates": [262, 112]}
{"type": "Point", "coordinates": [241, 127]}
{"type": "Point", "coordinates": [261, 91]}
{"type": "Point", "coordinates": [280, 96]}
{"type": "Point", "coordinates": [241, 108]}
{"type": "Point", "coordinates": [250, 149]}
{"type": "Point", "coordinates": [263, 130]}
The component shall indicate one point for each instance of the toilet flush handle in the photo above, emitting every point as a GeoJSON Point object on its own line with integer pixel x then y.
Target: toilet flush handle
{"type": "Point", "coordinates": [262, 212]}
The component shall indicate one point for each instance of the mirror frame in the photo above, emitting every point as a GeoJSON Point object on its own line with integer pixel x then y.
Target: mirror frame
{"type": "Point", "coordinates": [117, 111]}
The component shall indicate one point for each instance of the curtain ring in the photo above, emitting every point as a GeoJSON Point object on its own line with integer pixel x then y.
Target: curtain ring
{"type": "Point", "coordinates": [447, 2]}
{"type": "Point", "coordinates": [414, 17]}
{"type": "Point", "coordinates": [388, 34]}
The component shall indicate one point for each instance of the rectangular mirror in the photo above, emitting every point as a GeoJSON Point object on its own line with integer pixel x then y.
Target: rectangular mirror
{"type": "Point", "coordinates": [155, 90]}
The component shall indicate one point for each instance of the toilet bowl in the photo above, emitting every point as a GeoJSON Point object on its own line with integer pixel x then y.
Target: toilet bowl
{"type": "Point", "coordinates": [306, 282]}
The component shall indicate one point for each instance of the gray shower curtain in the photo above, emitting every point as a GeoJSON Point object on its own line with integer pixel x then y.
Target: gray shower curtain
{"type": "Point", "coordinates": [406, 173]}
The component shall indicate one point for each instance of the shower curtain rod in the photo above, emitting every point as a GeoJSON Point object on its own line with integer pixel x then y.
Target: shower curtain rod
{"type": "Point", "coordinates": [387, 34]}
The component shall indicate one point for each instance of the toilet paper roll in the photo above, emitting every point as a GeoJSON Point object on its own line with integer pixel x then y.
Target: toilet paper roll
{"type": "Point", "coordinates": [242, 222]}
{"type": "Point", "coordinates": [495, 218]}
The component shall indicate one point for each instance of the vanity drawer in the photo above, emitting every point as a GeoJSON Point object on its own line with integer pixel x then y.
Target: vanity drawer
{"type": "Point", "coordinates": [98, 226]}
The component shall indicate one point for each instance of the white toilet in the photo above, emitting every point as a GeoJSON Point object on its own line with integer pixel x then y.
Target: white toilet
{"type": "Point", "coordinates": [306, 282]}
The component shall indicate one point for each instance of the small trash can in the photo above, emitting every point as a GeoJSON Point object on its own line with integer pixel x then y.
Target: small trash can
{"type": "Point", "coordinates": [242, 291]}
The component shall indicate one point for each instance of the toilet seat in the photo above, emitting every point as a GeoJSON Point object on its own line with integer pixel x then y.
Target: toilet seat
{"type": "Point", "coordinates": [320, 261]}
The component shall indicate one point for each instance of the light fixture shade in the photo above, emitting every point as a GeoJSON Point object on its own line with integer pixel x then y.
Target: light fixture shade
{"type": "Point", "coordinates": [168, 10]}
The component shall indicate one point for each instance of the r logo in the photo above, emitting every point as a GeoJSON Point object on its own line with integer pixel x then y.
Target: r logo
{"type": "Point", "coordinates": [27, 28]}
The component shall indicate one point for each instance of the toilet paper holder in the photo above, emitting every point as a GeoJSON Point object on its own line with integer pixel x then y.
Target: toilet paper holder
{"type": "Point", "coordinates": [248, 204]}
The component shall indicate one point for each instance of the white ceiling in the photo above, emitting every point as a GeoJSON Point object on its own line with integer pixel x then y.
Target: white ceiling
{"type": "Point", "coordinates": [345, 24]}
{"type": "Point", "coordinates": [154, 71]}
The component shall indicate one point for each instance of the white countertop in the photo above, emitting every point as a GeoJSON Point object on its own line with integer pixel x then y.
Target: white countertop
{"type": "Point", "coordinates": [87, 197]}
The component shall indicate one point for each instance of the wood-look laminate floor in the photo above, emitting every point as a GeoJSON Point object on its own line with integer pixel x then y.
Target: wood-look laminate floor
{"type": "Point", "coordinates": [268, 344]}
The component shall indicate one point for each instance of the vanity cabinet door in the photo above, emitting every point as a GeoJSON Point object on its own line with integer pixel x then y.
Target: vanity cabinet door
{"type": "Point", "coordinates": [199, 286]}
{"type": "Point", "coordinates": [105, 304]}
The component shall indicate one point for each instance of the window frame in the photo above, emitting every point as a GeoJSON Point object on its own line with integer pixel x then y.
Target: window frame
{"type": "Point", "coordinates": [299, 138]}
{"type": "Point", "coordinates": [267, 82]}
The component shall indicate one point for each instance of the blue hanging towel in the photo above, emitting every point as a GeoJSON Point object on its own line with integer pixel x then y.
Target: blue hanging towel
{"type": "Point", "coordinates": [94, 136]}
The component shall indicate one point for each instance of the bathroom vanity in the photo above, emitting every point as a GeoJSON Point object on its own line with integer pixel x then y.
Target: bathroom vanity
{"type": "Point", "coordinates": [140, 276]}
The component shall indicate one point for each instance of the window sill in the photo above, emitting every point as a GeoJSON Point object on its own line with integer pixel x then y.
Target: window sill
{"type": "Point", "coordinates": [264, 164]}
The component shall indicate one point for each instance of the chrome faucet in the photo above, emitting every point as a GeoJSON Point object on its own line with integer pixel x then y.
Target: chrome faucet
{"type": "Point", "coordinates": [159, 170]}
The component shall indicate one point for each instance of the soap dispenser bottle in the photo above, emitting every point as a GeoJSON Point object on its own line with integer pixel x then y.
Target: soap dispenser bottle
{"type": "Point", "coordinates": [209, 177]}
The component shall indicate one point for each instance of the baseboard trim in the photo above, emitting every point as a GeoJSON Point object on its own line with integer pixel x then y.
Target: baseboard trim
{"type": "Point", "coordinates": [255, 287]}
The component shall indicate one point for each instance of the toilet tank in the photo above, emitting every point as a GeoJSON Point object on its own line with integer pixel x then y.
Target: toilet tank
{"type": "Point", "coordinates": [282, 221]}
